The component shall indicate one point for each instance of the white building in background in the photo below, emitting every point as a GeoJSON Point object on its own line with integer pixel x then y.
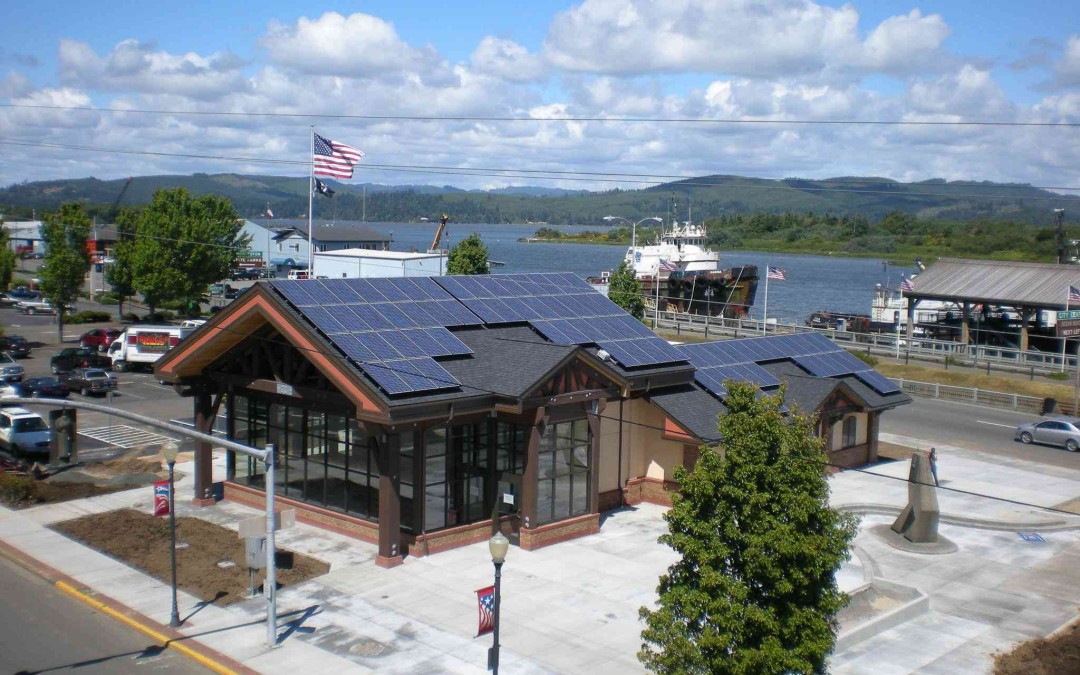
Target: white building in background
{"type": "Point", "coordinates": [364, 263]}
{"type": "Point", "coordinates": [24, 236]}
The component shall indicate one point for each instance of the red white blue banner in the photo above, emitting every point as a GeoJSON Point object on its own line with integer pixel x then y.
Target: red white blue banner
{"type": "Point", "coordinates": [162, 498]}
{"type": "Point", "coordinates": [485, 600]}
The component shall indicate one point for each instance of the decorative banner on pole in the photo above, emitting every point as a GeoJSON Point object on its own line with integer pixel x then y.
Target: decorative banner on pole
{"type": "Point", "coordinates": [161, 498]}
{"type": "Point", "coordinates": [485, 600]}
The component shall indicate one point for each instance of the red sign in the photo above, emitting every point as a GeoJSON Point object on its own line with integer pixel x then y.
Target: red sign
{"type": "Point", "coordinates": [152, 342]}
{"type": "Point", "coordinates": [161, 498]}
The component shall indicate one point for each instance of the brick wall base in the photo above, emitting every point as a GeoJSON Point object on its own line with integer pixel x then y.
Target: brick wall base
{"type": "Point", "coordinates": [650, 490]}
{"type": "Point", "coordinates": [857, 455]}
{"type": "Point", "coordinates": [564, 530]}
{"type": "Point", "coordinates": [350, 526]}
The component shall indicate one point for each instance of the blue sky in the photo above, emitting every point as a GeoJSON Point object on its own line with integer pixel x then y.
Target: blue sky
{"type": "Point", "coordinates": [680, 59]}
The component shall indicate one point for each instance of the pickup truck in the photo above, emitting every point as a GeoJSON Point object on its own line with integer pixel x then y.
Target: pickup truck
{"type": "Point", "coordinates": [39, 307]}
{"type": "Point", "coordinates": [71, 358]}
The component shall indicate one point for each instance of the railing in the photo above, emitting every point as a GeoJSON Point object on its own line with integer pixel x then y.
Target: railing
{"type": "Point", "coordinates": [996, 399]}
{"type": "Point", "coordinates": [880, 344]}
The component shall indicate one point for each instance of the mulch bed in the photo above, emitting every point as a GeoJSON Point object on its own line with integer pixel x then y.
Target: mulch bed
{"type": "Point", "coordinates": [1059, 654]}
{"type": "Point", "coordinates": [20, 492]}
{"type": "Point", "coordinates": [142, 541]}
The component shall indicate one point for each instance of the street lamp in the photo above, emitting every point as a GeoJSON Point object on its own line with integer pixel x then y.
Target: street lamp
{"type": "Point", "coordinates": [633, 226]}
{"type": "Point", "coordinates": [498, 545]}
{"type": "Point", "coordinates": [169, 452]}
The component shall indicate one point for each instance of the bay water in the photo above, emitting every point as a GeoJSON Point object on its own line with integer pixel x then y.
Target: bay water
{"type": "Point", "coordinates": [814, 282]}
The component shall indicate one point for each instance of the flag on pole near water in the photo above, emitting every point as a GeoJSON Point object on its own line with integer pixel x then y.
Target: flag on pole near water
{"type": "Point", "coordinates": [485, 600]}
{"type": "Point", "coordinates": [334, 159]}
{"type": "Point", "coordinates": [667, 266]}
{"type": "Point", "coordinates": [323, 189]}
{"type": "Point", "coordinates": [269, 213]}
{"type": "Point", "coordinates": [777, 273]}
{"type": "Point", "coordinates": [1074, 295]}
{"type": "Point", "coordinates": [906, 285]}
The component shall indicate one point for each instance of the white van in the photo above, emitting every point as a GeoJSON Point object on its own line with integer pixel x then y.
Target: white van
{"type": "Point", "coordinates": [298, 274]}
{"type": "Point", "coordinates": [142, 346]}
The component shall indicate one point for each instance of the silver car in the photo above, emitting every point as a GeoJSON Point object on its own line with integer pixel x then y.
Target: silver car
{"type": "Point", "coordinates": [1061, 431]}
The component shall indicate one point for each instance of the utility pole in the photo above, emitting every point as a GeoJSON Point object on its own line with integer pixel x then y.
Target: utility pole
{"type": "Point", "coordinates": [1060, 215]}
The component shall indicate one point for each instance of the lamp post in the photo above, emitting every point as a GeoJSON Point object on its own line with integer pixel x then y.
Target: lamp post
{"type": "Point", "coordinates": [498, 545]}
{"type": "Point", "coordinates": [169, 452]}
{"type": "Point", "coordinates": [633, 226]}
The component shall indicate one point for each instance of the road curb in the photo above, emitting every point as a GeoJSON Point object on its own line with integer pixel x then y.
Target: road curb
{"type": "Point", "coordinates": [169, 638]}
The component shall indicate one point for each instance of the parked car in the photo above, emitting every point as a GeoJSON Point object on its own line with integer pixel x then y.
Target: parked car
{"type": "Point", "coordinates": [220, 289]}
{"type": "Point", "coordinates": [99, 338]}
{"type": "Point", "coordinates": [7, 300]}
{"type": "Point", "coordinates": [9, 370]}
{"type": "Point", "coordinates": [245, 274]}
{"type": "Point", "coordinates": [15, 345]}
{"type": "Point", "coordinates": [70, 358]}
{"type": "Point", "coordinates": [1060, 431]}
{"type": "Point", "coordinates": [7, 391]}
{"type": "Point", "coordinates": [40, 307]}
{"type": "Point", "coordinates": [91, 381]}
{"type": "Point", "coordinates": [43, 387]}
{"type": "Point", "coordinates": [23, 431]}
{"type": "Point", "coordinates": [23, 293]}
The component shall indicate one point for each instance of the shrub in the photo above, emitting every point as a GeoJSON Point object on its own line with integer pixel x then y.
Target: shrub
{"type": "Point", "coordinates": [158, 317]}
{"type": "Point", "coordinates": [866, 358]}
{"type": "Point", "coordinates": [129, 317]}
{"type": "Point", "coordinates": [89, 316]}
{"type": "Point", "coordinates": [17, 490]}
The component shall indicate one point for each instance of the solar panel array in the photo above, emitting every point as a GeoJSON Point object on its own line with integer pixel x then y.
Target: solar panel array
{"type": "Point", "coordinates": [565, 310]}
{"type": "Point", "coordinates": [391, 327]}
{"type": "Point", "coordinates": [395, 328]}
{"type": "Point", "coordinates": [738, 360]}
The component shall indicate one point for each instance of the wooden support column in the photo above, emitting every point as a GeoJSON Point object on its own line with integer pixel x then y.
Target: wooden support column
{"type": "Point", "coordinates": [873, 426]}
{"type": "Point", "coordinates": [911, 318]}
{"type": "Point", "coordinates": [532, 470]}
{"type": "Point", "coordinates": [1025, 314]}
{"type": "Point", "coordinates": [594, 453]}
{"type": "Point", "coordinates": [205, 410]}
{"type": "Point", "coordinates": [965, 337]}
{"type": "Point", "coordinates": [389, 455]}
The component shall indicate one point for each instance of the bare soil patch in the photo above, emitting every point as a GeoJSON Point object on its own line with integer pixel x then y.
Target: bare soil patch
{"type": "Point", "coordinates": [1059, 654]}
{"type": "Point", "coordinates": [142, 541]}
{"type": "Point", "coordinates": [22, 491]}
{"type": "Point", "coordinates": [22, 486]}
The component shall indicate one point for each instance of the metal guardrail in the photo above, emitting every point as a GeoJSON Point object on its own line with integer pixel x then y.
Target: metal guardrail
{"type": "Point", "coordinates": [880, 344]}
{"type": "Point", "coordinates": [996, 399]}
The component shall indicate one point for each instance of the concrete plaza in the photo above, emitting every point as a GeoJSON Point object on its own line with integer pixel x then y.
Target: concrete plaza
{"type": "Point", "coordinates": [573, 607]}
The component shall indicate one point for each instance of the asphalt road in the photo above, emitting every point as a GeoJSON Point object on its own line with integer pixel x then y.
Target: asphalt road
{"type": "Point", "coordinates": [43, 629]}
{"type": "Point", "coordinates": [988, 430]}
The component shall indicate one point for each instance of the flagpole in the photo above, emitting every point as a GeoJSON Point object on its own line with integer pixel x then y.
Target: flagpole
{"type": "Point", "coordinates": [1064, 340]}
{"type": "Point", "coordinates": [765, 315]}
{"type": "Point", "coordinates": [310, 182]}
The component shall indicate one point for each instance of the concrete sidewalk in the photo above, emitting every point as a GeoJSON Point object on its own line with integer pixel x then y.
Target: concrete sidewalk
{"type": "Point", "coordinates": [572, 607]}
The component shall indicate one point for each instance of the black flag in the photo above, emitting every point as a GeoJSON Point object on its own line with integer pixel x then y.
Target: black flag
{"type": "Point", "coordinates": [323, 189]}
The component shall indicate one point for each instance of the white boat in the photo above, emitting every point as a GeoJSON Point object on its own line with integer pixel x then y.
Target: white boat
{"type": "Point", "coordinates": [890, 307]}
{"type": "Point", "coordinates": [682, 246]}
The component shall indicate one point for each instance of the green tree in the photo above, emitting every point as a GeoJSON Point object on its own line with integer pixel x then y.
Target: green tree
{"type": "Point", "coordinates": [183, 244]}
{"type": "Point", "coordinates": [119, 273]}
{"type": "Point", "coordinates": [63, 270]}
{"type": "Point", "coordinates": [7, 259]}
{"type": "Point", "coordinates": [755, 588]}
{"type": "Point", "coordinates": [470, 256]}
{"type": "Point", "coordinates": [625, 291]}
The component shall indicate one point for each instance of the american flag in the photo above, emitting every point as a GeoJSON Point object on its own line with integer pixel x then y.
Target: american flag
{"type": "Point", "coordinates": [906, 285]}
{"type": "Point", "coordinates": [485, 599]}
{"type": "Point", "coordinates": [667, 266]}
{"type": "Point", "coordinates": [777, 273]}
{"type": "Point", "coordinates": [1074, 295]}
{"type": "Point", "coordinates": [334, 159]}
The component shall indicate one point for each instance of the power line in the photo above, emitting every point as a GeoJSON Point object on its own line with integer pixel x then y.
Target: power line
{"type": "Point", "coordinates": [577, 176]}
{"type": "Point", "coordinates": [496, 118]}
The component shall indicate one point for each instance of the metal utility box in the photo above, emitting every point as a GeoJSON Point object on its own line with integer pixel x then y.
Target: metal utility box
{"type": "Point", "coordinates": [255, 552]}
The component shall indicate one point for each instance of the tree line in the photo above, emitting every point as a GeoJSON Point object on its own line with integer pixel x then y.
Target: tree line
{"type": "Point", "coordinates": [166, 252]}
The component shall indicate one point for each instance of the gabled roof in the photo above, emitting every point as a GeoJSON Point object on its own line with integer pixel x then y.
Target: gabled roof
{"type": "Point", "coordinates": [997, 282]}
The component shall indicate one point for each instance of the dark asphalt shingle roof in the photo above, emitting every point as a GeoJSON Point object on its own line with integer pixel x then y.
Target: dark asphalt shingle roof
{"type": "Point", "coordinates": [506, 360]}
{"type": "Point", "coordinates": [693, 408]}
{"type": "Point", "coordinates": [803, 391]}
{"type": "Point", "coordinates": [998, 282]}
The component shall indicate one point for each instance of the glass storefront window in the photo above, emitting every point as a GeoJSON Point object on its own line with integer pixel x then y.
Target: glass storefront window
{"type": "Point", "coordinates": [563, 472]}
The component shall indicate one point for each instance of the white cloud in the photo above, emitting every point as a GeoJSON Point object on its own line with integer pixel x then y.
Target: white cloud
{"type": "Point", "coordinates": [508, 60]}
{"type": "Point", "coordinates": [786, 38]}
{"type": "Point", "coordinates": [968, 94]}
{"type": "Point", "coordinates": [1067, 70]}
{"type": "Point", "coordinates": [358, 45]}
{"type": "Point", "coordinates": [134, 67]}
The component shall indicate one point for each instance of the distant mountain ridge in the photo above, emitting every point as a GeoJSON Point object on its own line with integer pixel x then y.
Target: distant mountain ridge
{"type": "Point", "coordinates": [703, 197]}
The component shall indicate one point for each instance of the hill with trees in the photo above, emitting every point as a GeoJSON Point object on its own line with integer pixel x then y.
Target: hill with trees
{"type": "Point", "coordinates": [703, 198]}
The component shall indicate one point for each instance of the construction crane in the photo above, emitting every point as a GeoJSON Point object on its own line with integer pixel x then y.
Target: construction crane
{"type": "Point", "coordinates": [438, 234]}
{"type": "Point", "coordinates": [114, 210]}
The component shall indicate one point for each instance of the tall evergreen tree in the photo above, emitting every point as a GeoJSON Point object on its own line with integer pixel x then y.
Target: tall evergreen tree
{"type": "Point", "coordinates": [625, 291]}
{"type": "Point", "coordinates": [470, 256]}
{"type": "Point", "coordinates": [63, 270]}
{"type": "Point", "coordinates": [755, 588]}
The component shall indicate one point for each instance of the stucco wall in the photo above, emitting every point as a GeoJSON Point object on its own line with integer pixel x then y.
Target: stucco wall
{"type": "Point", "coordinates": [861, 427]}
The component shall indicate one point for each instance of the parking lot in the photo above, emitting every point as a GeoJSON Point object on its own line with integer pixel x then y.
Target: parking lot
{"type": "Point", "coordinates": [101, 436]}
